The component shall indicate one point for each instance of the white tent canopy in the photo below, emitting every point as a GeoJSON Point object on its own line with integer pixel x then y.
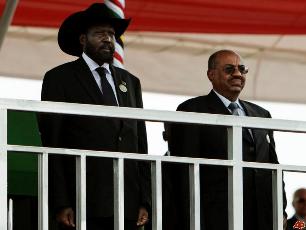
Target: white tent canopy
{"type": "Point", "coordinates": [175, 63]}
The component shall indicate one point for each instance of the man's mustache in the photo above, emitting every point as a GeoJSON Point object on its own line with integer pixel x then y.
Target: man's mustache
{"type": "Point", "coordinates": [108, 46]}
{"type": "Point", "coordinates": [235, 77]}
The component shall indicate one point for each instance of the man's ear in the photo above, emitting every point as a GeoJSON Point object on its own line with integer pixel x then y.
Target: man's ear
{"type": "Point", "coordinates": [210, 74]}
{"type": "Point", "coordinates": [82, 39]}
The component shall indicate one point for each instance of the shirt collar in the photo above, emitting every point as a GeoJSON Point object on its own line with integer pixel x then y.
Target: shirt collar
{"type": "Point", "coordinates": [227, 102]}
{"type": "Point", "coordinates": [94, 65]}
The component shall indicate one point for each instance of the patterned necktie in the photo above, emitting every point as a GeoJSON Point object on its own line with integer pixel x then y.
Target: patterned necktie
{"type": "Point", "coordinates": [107, 91]}
{"type": "Point", "coordinates": [233, 106]}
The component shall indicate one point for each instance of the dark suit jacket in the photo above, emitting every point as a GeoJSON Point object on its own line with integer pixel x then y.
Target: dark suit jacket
{"type": "Point", "coordinates": [73, 82]}
{"type": "Point", "coordinates": [211, 142]}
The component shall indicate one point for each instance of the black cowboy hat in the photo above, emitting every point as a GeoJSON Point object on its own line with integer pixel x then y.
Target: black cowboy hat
{"type": "Point", "coordinates": [77, 23]}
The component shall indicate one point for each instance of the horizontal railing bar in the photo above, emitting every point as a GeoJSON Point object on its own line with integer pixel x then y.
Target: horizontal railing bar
{"type": "Point", "coordinates": [145, 157]}
{"type": "Point", "coordinates": [153, 115]}
{"type": "Point", "coordinates": [128, 156]}
{"type": "Point", "coordinates": [288, 168]}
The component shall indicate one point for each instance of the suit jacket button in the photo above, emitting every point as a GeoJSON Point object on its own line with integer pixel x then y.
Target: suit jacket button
{"type": "Point", "coordinates": [120, 138]}
{"type": "Point", "coordinates": [252, 149]}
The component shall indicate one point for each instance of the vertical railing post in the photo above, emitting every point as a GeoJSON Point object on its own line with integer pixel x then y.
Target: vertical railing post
{"type": "Point", "coordinates": [235, 179]}
{"type": "Point", "coordinates": [118, 165]}
{"type": "Point", "coordinates": [10, 215]}
{"type": "Point", "coordinates": [156, 174]}
{"type": "Point", "coordinates": [3, 169]}
{"type": "Point", "coordinates": [43, 204]}
{"type": "Point", "coordinates": [194, 188]}
{"type": "Point", "coordinates": [277, 188]}
{"type": "Point", "coordinates": [81, 192]}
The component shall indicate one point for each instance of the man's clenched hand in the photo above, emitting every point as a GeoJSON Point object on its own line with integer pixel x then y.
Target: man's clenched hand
{"type": "Point", "coordinates": [143, 217]}
{"type": "Point", "coordinates": [66, 217]}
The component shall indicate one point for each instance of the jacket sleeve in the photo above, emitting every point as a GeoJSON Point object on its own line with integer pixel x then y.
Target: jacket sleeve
{"type": "Point", "coordinates": [51, 126]}
{"type": "Point", "coordinates": [182, 142]}
{"type": "Point", "coordinates": [144, 166]}
{"type": "Point", "coordinates": [274, 159]}
{"type": "Point", "coordinates": [183, 138]}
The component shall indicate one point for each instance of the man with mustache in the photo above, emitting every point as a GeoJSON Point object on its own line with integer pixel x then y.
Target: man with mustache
{"type": "Point", "coordinates": [92, 79]}
{"type": "Point", "coordinates": [227, 73]}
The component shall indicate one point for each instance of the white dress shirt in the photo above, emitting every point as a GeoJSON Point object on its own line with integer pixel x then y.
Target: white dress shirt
{"type": "Point", "coordinates": [227, 102]}
{"type": "Point", "coordinates": [93, 66]}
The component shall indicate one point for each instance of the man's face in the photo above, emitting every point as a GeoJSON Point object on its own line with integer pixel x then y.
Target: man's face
{"type": "Point", "coordinates": [299, 203]}
{"type": "Point", "coordinates": [228, 76]}
{"type": "Point", "coordinates": [99, 43]}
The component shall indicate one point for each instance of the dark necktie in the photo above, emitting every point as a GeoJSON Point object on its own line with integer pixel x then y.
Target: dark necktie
{"type": "Point", "coordinates": [233, 106]}
{"type": "Point", "coordinates": [107, 91]}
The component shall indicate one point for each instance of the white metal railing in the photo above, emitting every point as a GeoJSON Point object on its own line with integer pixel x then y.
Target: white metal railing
{"type": "Point", "coordinates": [234, 163]}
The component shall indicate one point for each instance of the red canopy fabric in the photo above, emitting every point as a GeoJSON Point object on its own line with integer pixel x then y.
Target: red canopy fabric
{"type": "Point", "coordinates": [192, 16]}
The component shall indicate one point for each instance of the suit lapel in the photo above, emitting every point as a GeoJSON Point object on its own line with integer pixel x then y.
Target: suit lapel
{"type": "Point", "coordinates": [118, 80]}
{"type": "Point", "coordinates": [86, 78]}
{"type": "Point", "coordinates": [250, 112]}
{"type": "Point", "coordinates": [215, 104]}
{"type": "Point", "coordinates": [122, 97]}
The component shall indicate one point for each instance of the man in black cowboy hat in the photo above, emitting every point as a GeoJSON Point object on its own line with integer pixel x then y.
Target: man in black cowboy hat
{"type": "Point", "coordinates": [92, 79]}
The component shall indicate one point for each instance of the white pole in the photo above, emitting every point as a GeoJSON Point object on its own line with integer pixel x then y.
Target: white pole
{"type": "Point", "coordinates": [7, 18]}
{"type": "Point", "coordinates": [3, 170]}
{"type": "Point", "coordinates": [10, 215]}
{"type": "Point", "coordinates": [235, 179]}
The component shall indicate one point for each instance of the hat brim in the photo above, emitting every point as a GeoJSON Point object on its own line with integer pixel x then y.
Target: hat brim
{"type": "Point", "coordinates": [77, 23]}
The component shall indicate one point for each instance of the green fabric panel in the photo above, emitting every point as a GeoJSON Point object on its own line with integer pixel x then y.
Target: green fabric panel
{"type": "Point", "coordinates": [22, 167]}
{"type": "Point", "coordinates": [23, 128]}
{"type": "Point", "coordinates": [22, 183]}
